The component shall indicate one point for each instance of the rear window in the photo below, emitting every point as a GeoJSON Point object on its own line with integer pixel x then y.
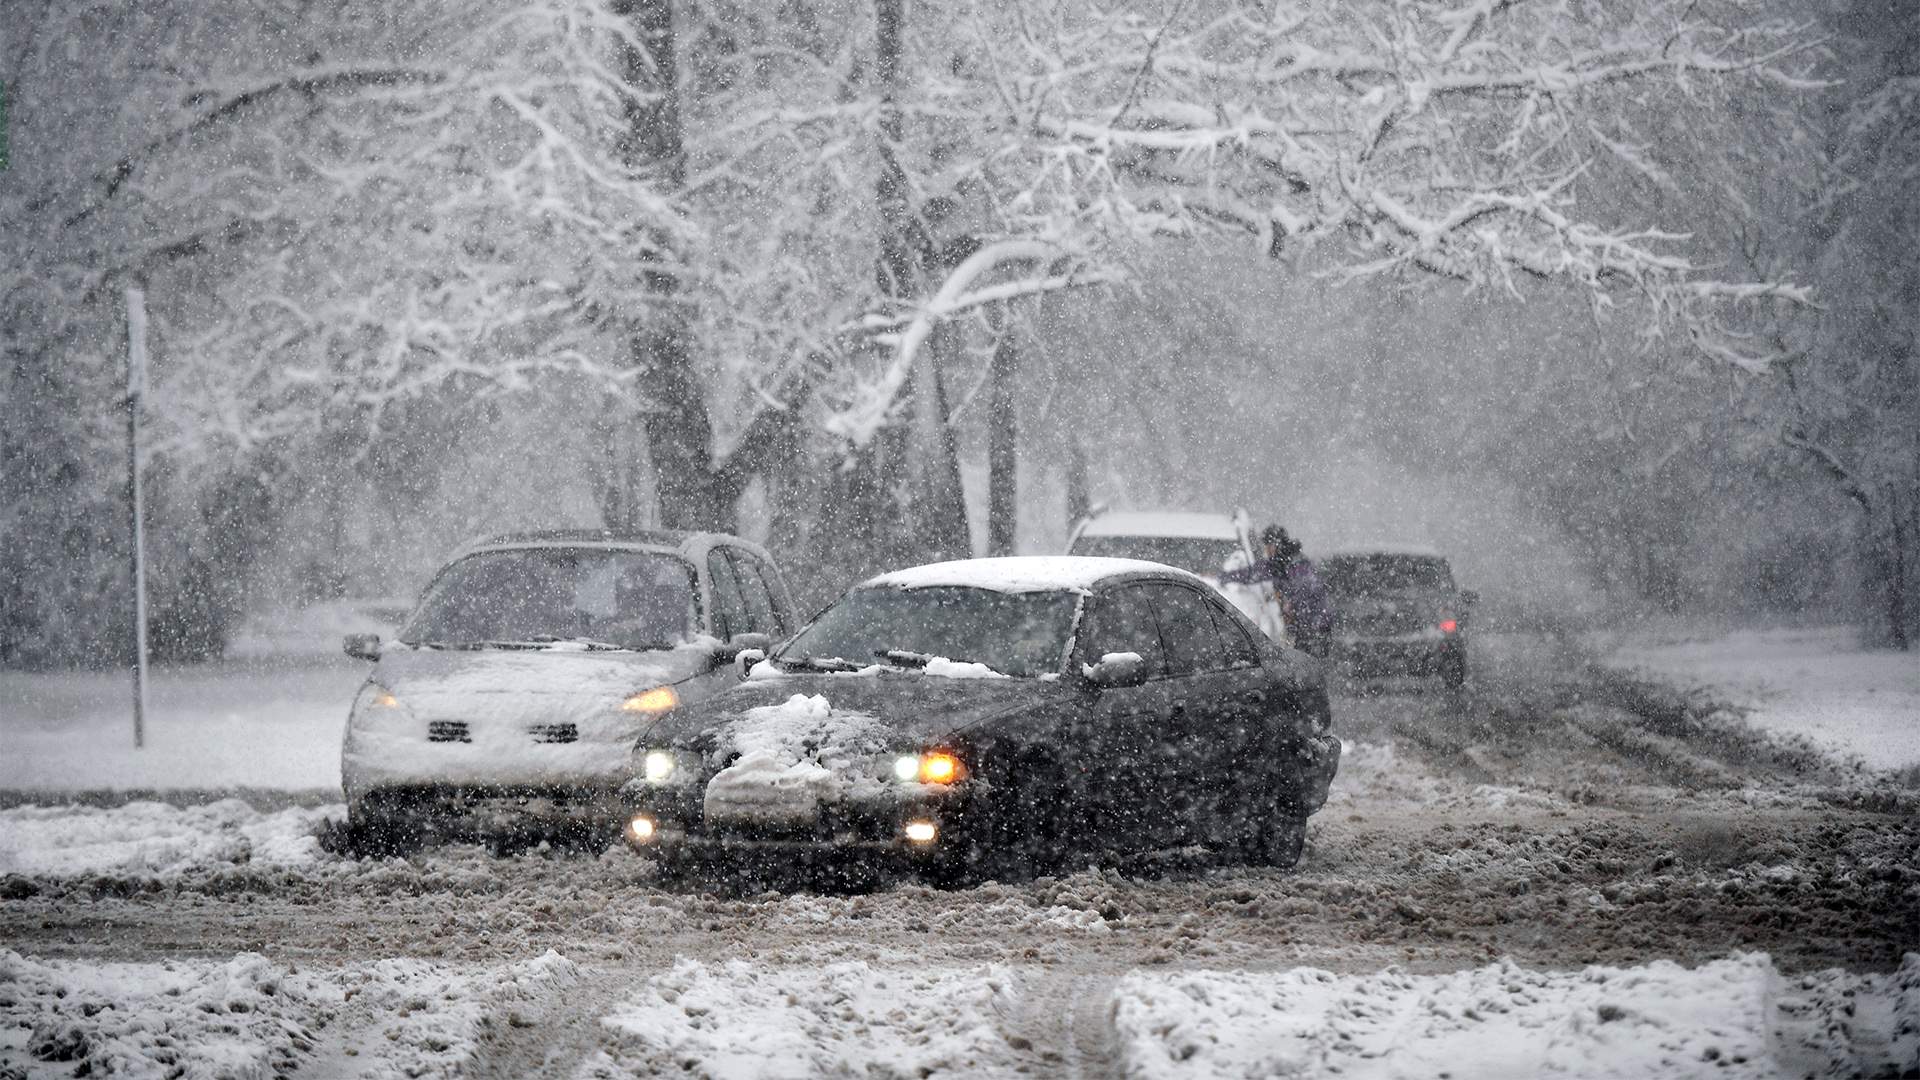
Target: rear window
{"type": "Point", "coordinates": [1196, 555]}
{"type": "Point", "coordinates": [1361, 575]}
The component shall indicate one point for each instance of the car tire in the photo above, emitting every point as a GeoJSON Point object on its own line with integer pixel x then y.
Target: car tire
{"type": "Point", "coordinates": [1453, 668]}
{"type": "Point", "coordinates": [1276, 842]}
{"type": "Point", "coordinates": [371, 835]}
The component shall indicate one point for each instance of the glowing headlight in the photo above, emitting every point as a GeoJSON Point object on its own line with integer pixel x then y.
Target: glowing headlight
{"type": "Point", "coordinates": [658, 766]}
{"type": "Point", "coordinates": [375, 696]}
{"type": "Point", "coordinates": [933, 767]}
{"type": "Point", "coordinates": [657, 700]}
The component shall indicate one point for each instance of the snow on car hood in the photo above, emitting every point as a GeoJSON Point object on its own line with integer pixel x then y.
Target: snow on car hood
{"type": "Point", "coordinates": [909, 706]}
{"type": "Point", "coordinates": [494, 717]}
{"type": "Point", "coordinates": [785, 745]}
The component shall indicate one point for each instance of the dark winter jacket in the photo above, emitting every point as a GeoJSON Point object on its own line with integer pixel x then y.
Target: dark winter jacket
{"type": "Point", "coordinates": [1303, 596]}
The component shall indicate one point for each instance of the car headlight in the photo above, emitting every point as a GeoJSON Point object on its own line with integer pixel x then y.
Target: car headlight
{"type": "Point", "coordinates": [657, 700]}
{"type": "Point", "coordinates": [659, 766]}
{"type": "Point", "coordinates": [375, 698]}
{"type": "Point", "coordinates": [932, 767]}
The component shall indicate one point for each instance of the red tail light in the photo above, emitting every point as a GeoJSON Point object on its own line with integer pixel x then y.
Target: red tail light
{"type": "Point", "coordinates": [1448, 626]}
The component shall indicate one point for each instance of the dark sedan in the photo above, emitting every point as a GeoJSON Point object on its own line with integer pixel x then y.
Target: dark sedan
{"type": "Point", "coordinates": [999, 716]}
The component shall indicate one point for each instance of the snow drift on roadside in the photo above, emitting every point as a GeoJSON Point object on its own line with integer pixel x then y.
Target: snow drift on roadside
{"type": "Point", "coordinates": [1732, 1018]}
{"type": "Point", "coordinates": [1818, 683]}
{"type": "Point", "coordinates": [746, 1020]}
{"type": "Point", "coordinates": [250, 1017]}
{"type": "Point", "coordinates": [155, 839]}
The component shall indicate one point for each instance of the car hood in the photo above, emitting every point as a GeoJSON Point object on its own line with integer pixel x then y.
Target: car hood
{"type": "Point", "coordinates": [465, 682]}
{"type": "Point", "coordinates": [508, 719]}
{"type": "Point", "coordinates": [897, 706]}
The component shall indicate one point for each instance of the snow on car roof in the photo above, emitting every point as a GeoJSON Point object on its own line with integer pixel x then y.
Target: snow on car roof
{"type": "Point", "coordinates": [1018, 573]}
{"type": "Point", "coordinates": [1162, 523]}
{"type": "Point", "coordinates": [1355, 550]}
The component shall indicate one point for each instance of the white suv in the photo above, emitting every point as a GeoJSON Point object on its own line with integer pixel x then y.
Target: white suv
{"type": "Point", "coordinates": [1200, 543]}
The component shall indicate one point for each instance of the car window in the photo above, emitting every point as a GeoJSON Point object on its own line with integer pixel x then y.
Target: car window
{"type": "Point", "coordinates": [761, 617]}
{"type": "Point", "coordinates": [1123, 621]}
{"type": "Point", "coordinates": [1021, 634]}
{"type": "Point", "coordinates": [636, 600]}
{"type": "Point", "coordinates": [1236, 644]}
{"type": "Point", "coordinates": [1373, 575]}
{"type": "Point", "coordinates": [1186, 629]}
{"type": "Point", "coordinates": [729, 609]}
{"type": "Point", "coordinates": [1199, 555]}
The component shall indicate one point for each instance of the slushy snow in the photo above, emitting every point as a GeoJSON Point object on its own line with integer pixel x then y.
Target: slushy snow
{"type": "Point", "coordinates": [1737, 1017]}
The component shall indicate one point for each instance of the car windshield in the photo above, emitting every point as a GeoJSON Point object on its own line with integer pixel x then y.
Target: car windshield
{"type": "Point", "coordinates": [1019, 634]}
{"type": "Point", "coordinates": [590, 596]}
{"type": "Point", "coordinates": [1198, 555]}
{"type": "Point", "coordinates": [1367, 575]}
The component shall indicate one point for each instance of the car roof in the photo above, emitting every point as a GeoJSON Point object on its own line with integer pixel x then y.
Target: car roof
{"type": "Point", "coordinates": [674, 540]}
{"type": "Point", "coordinates": [1185, 523]}
{"type": "Point", "coordinates": [1355, 551]}
{"type": "Point", "coordinates": [1024, 573]}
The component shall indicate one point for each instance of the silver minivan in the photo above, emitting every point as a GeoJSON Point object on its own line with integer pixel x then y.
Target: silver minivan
{"type": "Point", "coordinates": [507, 707]}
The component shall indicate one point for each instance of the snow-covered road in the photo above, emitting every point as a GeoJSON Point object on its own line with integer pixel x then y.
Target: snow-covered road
{"type": "Point", "coordinates": [1547, 875]}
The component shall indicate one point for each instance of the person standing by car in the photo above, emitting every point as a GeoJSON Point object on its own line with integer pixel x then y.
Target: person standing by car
{"type": "Point", "coordinates": [1303, 597]}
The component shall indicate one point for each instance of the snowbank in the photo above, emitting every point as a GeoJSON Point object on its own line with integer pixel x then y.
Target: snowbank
{"type": "Point", "coordinates": [746, 1020]}
{"type": "Point", "coordinates": [242, 1018]}
{"type": "Point", "coordinates": [147, 839]}
{"type": "Point", "coordinates": [1737, 1017]}
{"type": "Point", "coordinates": [250, 1017]}
{"type": "Point", "coordinates": [1815, 682]}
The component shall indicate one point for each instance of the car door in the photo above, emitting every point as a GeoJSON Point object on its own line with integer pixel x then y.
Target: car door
{"type": "Point", "coordinates": [1120, 797]}
{"type": "Point", "coordinates": [1193, 753]}
{"type": "Point", "coordinates": [762, 616]}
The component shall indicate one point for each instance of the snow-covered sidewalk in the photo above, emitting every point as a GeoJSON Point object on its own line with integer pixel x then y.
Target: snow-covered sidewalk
{"type": "Point", "coordinates": [234, 724]}
{"type": "Point", "coordinates": [1818, 683]}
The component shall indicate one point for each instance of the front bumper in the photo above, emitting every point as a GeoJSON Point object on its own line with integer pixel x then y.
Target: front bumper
{"type": "Point", "coordinates": [1319, 761]}
{"type": "Point", "coordinates": [875, 824]}
{"type": "Point", "coordinates": [465, 812]}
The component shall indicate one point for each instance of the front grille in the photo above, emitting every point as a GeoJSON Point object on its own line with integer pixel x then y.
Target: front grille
{"type": "Point", "coordinates": [448, 731]}
{"type": "Point", "coordinates": [554, 733]}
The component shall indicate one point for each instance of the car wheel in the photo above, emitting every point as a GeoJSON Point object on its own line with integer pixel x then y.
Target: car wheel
{"type": "Point", "coordinates": [1276, 842]}
{"type": "Point", "coordinates": [1453, 668]}
{"type": "Point", "coordinates": [373, 835]}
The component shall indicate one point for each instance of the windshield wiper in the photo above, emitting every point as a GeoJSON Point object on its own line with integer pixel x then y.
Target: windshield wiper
{"type": "Point", "coordinates": [819, 663]}
{"type": "Point", "coordinates": [910, 659]}
{"type": "Point", "coordinates": [589, 644]}
{"type": "Point", "coordinates": [904, 657]}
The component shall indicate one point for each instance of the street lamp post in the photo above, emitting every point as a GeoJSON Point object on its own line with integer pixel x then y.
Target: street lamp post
{"type": "Point", "coordinates": [136, 501]}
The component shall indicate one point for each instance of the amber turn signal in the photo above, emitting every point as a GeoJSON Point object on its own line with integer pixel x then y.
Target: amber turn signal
{"type": "Point", "coordinates": [939, 767]}
{"type": "Point", "coordinates": [657, 700]}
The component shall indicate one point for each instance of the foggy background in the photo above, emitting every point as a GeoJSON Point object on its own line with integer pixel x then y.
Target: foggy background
{"type": "Point", "coordinates": [425, 273]}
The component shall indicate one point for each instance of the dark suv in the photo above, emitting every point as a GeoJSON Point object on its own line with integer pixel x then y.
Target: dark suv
{"type": "Point", "coordinates": [1396, 610]}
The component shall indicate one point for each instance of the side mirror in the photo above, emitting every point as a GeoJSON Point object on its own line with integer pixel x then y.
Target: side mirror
{"type": "Point", "coordinates": [1116, 670]}
{"type": "Point", "coordinates": [1469, 597]}
{"type": "Point", "coordinates": [362, 646]}
{"type": "Point", "coordinates": [744, 660]}
{"type": "Point", "coordinates": [728, 651]}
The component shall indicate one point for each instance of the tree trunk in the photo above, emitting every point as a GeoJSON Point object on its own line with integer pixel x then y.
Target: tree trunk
{"type": "Point", "coordinates": [1002, 447]}
{"type": "Point", "coordinates": [673, 415]}
{"type": "Point", "coordinates": [1079, 498]}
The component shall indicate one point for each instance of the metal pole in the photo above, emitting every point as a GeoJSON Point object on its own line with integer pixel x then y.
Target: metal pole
{"type": "Point", "coordinates": [136, 501]}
